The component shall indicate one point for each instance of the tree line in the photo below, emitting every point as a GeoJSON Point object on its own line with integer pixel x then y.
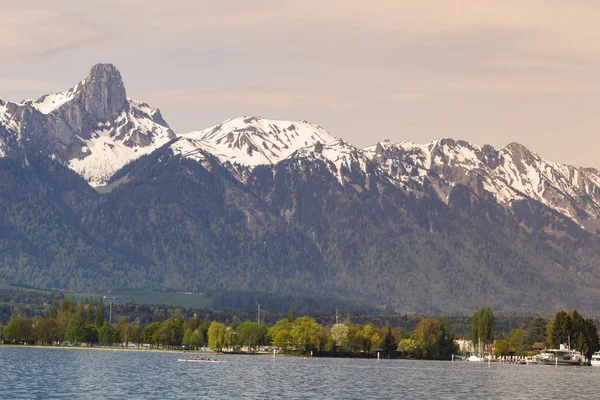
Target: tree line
{"type": "Point", "coordinates": [567, 327]}
{"type": "Point", "coordinates": [430, 338]}
{"type": "Point", "coordinates": [85, 323]}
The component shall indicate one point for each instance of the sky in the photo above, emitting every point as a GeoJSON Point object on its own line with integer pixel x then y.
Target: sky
{"type": "Point", "coordinates": [489, 72]}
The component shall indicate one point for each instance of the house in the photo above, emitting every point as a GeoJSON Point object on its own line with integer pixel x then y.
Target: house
{"type": "Point", "coordinates": [539, 346]}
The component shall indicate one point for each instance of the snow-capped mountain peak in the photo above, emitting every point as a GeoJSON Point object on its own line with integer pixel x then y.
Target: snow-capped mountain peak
{"type": "Point", "coordinates": [252, 141]}
{"type": "Point", "coordinates": [510, 174]}
{"type": "Point", "coordinates": [92, 127]}
{"type": "Point", "coordinates": [95, 129]}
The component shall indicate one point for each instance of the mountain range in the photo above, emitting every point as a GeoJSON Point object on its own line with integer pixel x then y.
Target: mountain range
{"type": "Point", "coordinates": [98, 192]}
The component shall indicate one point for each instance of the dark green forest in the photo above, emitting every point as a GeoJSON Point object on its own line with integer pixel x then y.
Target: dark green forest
{"type": "Point", "coordinates": [289, 235]}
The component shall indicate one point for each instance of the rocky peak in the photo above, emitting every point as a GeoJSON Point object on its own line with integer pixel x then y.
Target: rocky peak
{"type": "Point", "coordinates": [92, 127]}
{"type": "Point", "coordinates": [103, 93]}
{"type": "Point", "coordinates": [517, 150]}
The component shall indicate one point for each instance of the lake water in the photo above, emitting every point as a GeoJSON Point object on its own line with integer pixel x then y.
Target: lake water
{"type": "Point", "coordinates": [36, 373]}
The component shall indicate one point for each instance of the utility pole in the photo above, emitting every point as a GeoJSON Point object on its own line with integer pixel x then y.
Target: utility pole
{"type": "Point", "coordinates": [258, 304]}
{"type": "Point", "coordinates": [336, 317]}
{"type": "Point", "coordinates": [110, 313]}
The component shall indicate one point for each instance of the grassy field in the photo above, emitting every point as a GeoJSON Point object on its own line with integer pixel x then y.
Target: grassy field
{"type": "Point", "coordinates": [151, 297]}
{"type": "Point", "coordinates": [136, 296]}
{"type": "Point", "coordinates": [4, 285]}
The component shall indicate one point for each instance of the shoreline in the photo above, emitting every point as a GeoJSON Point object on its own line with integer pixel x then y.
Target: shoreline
{"type": "Point", "coordinates": [99, 348]}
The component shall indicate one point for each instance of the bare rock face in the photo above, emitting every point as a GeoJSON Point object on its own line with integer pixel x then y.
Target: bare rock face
{"type": "Point", "coordinates": [103, 93]}
{"type": "Point", "coordinates": [94, 114]}
{"type": "Point", "coordinates": [99, 98]}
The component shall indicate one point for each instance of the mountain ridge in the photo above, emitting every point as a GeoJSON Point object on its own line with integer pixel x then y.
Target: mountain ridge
{"type": "Point", "coordinates": [253, 204]}
{"type": "Point", "coordinates": [112, 130]}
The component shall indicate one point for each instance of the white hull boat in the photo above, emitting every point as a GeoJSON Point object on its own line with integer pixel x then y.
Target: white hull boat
{"type": "Point", "coordinates": [595, 362]}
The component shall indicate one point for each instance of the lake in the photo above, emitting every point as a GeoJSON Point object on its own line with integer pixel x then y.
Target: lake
{"type": "Point", "coordinates": [38, 373]}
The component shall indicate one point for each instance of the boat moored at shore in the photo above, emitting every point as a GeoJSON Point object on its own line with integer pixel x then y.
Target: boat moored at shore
{"type": "Point", "coordinates": [562, 356]}
{"type": "Point", "coordinates": [595, 361]}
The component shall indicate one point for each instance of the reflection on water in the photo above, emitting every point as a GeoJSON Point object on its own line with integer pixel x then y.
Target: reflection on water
{"type": "Point", "coordinates": [33, 373]}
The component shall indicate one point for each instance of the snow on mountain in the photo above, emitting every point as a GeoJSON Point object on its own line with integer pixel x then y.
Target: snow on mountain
{"type": "Point", "coordinates": [343, 160]}
{"type": "Point", "coordinates": [95, 130]}
{"type": "Point", "coordinates": [244, 143]}
{"type": "Point", "coordinates": [134, 133]}
{"type": "Point", "coordinates": [252, 141]}
{"type": "Point", "coordinates": [4, 121]}
{"type": "Point", "coordinates": [404, 161]}
{"type": "Point", "coordinates": [93, 127]}
{"type": "Point", "coordinates": [50, 102]}
{"type": "Point", "coordinates": [513, 173]}
{"type": "Point", "coordinates": [569, 190]}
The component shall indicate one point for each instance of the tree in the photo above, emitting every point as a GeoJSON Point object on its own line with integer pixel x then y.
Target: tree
{"type": "Point", "coordinates": [41, 329]}
{"type": "Point", "coordinates": [217, 336]}
{"type": "Point", "coordinates": [193, 323]}
{"type": "Point", "coordinates": [409, 348]}
{"type": "Point", "coordinates": [591, 338]}
{"type": "Point", "coordinates": [81, 308]}
{"type": "Point", "coordinates": [18, 329]}
{"type": "Point", "coordinates": [475, 328]}
{"type": "Point", "coordinates": [54, 309]}
{"type": "Point", "coordinates": [122, 331]}
{"type": "Point", "coordinates": [281, 325]}
{"type": "Point", "coordinates": [561, 328]}
{"type": "Point", "coordinates": [326, 339]}
{"type": "Point", "coordinates": [100, 313]}
{"type": "Point", "coordinates": [483, 327]}
{"type": "Point", "coordinates": [536, 332]}
{"type": "Point", "coordinates": [339, 334]}
{"type": "Point", "coordinates": [76, 329]}
{"type": "Point", "coordinates": [134, 333]}
{"type": "Point", "coordinates": [67, 305]}
{"type": "Point", "coordinates": [446, 344]}
{"type": "Point", "coordinates": [90, 312]}
{"type": "Point", "coordinates": [370, 338]}
{"type": "Point", "coordinates": [355, 337]}
{"type": "Point", "coordinates": [106, 335]}
{"type": "Point", "coordinates": [390, 344]}
{"type": "Point", "coordinates": [90, 335]}
{"type": "Point", "coordinates": [291, 315]}
{"type": "Point", "coordinates": [426, 335]}
{"type": "Point", "coordinates": [486, 326]}
{"type": "Point", "coordinates": [251, 333]}
{"type": "Point", "coordinates": [516, 338]}
{"type": "Point", "coordinates": [196, 339]}
{"type": "Point", "coordinates": [170, 332]}
{"type": "Point", "coordinates": [306, 333]}
{"type": "Point", "coordinates": [62, 321]}
{"type": "Point", "coordinates": [283, 340]}
{"type": "Point", "coordinates": [187, 338]}
{"type": "Point", "coordinates": [502, 348]}
{"type": "Point", "coordinates": [149, 332]}
{"type": "Point", "coordinates": [53, 329]}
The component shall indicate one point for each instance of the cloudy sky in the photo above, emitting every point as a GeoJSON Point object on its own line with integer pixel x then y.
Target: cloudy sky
{"type": "Point", "coordinates": [490, 72]}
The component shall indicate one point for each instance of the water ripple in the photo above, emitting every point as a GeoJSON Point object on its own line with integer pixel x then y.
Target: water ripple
{"type": "Point", "coordinates": [35, 373]}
